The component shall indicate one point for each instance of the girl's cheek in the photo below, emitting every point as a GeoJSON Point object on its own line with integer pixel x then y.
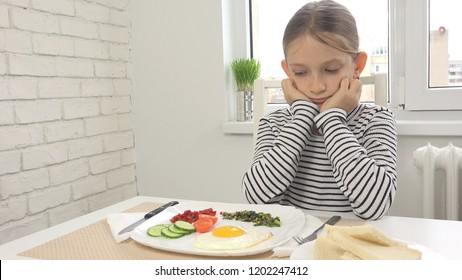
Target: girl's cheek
{"type": "Point", "coordinates": [300, 84]}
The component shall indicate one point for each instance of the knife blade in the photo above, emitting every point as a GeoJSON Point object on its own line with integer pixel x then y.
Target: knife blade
{"type": "Point", "coordinates": [147, 217]}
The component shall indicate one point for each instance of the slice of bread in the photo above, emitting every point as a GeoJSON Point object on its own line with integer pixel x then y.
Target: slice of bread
{"type": "Point", "coordinates": [360, 242]}
{"type": "Point", "coordinates": [326, 249]}
{"type": "Point", "coordinates": [367, 250]}
{"type": "Point", "coordinates": [366, 233]}
{"type": "Point", "coordinates": [349, 256]}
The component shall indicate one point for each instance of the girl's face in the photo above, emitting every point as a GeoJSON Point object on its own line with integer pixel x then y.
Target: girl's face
{"type": "Point", "coordinates": [317, 69]}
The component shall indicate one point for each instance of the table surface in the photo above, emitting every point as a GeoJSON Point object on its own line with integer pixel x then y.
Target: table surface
{"type": "Point", "coordinates": [441, 236]}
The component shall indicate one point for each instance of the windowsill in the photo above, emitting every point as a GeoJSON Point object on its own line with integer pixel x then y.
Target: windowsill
{"type": "Point", "coordinates": [234, 127]}
{"type": "Point", "coordinates": [405, 128]}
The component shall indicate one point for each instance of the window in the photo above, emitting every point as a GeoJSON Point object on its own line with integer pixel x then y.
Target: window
{"type": "Point", "coordinates": [271, 16]}
{"type": "Point", "coordinates": [424, 51]}
{"type": "Point", "coordinates": [445, 43]}
{"type": "Point", "coordinates": [417, 44]}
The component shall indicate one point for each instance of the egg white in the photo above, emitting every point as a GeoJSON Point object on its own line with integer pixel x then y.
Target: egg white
{"type": "Point", "coordinates": [251, 237]}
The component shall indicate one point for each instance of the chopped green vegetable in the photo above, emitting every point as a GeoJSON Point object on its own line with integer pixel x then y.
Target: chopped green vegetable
{"type": "Point", "coordinates": [257, 218]}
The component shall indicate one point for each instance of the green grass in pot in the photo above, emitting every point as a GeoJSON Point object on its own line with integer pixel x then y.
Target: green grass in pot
{"type": "Point", "coordinates": [246, 71]}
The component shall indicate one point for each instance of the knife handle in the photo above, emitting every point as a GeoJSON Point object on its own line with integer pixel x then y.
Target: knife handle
{"type": "Point", "coordinates": [160, 209]}
{"type": "Point", "coordinates": [332, 221]}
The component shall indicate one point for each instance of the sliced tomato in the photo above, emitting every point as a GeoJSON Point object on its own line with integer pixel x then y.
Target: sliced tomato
{"type": "Point", "coordinates": [213, 218]}
{"type": "Point", "coordinates": [203, 225]}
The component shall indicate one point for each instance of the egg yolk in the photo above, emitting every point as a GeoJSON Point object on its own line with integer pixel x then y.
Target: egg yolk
{"type": "Point", "coordinates": [228, 232]}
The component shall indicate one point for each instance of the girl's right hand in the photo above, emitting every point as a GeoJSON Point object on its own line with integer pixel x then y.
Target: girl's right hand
{"type": "Point", "coordinates": [291, 93]}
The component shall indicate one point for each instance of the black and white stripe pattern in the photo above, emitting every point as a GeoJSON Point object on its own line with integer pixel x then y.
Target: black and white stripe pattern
{"type": "Point", "coordinates": [349, 165]}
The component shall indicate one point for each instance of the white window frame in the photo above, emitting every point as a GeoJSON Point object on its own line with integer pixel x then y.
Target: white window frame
{"type": "Point", "coordinates": [409, 61]}
{"type": "Point", "coordinates": [407, 98]}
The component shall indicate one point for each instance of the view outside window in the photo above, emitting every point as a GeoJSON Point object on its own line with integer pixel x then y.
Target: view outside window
{"type": "Point", "coordinates": [445, 43]}
{"type": "Point", "coordinates": [271, 16]}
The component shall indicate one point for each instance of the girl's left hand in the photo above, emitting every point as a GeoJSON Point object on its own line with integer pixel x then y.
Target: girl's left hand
{"type": "Point", "coordinates": [346, 98]}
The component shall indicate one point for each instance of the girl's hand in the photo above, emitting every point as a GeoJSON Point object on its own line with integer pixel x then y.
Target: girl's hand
{"type": "Point", "coordinates": [291, 93]}
{"type": "Point", "coordinates": [346, 98]}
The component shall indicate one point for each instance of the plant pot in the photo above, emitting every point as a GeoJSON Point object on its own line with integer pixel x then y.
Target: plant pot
{"type": "Point", "coordinates": [244, 106]}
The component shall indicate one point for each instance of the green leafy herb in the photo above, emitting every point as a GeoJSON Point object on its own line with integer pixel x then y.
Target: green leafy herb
{"type": "Point", "coordinates": [246, 71]}
{"type": "Point", "coordinates": [257, 218]}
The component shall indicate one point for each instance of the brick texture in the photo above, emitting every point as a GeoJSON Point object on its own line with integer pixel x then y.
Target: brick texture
{"type": "Point", "coordinates": [66, 133]}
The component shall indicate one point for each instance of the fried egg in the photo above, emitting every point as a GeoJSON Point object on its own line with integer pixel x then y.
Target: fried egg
{"type": "Point", "coordinates": [231, 238]}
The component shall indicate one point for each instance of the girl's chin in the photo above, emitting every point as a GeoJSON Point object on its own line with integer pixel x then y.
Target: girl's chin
{"type": "Point", "coordinates": [319, 101]}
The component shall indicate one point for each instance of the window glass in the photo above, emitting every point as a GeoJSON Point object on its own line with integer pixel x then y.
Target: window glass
{"type": "Point", "coordinates": [271, 16]}
{"type": "Point", "coordinates": [445, 43]}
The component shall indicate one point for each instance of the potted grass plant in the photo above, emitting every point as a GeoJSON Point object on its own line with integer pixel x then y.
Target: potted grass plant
{"type": "Point", "coordinates": [246, 71]}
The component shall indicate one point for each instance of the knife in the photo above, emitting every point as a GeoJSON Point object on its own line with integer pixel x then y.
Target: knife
{"type": "Point", "coordinates": [147, 217]}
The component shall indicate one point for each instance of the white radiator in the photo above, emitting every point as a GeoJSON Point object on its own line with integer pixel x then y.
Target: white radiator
{"type": "Point", "coordinates": [448, 159]}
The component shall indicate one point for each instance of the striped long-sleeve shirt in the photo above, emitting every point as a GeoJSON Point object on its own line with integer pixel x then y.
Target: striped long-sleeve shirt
{"type": "Point", "coordinates": [329, 161]}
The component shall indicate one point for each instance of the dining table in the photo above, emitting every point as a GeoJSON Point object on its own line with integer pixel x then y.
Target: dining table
{"type": "Point", "coordinates": [89, 236]}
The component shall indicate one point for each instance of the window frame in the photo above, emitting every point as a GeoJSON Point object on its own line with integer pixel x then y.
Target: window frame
{"type": "Point", "coordinates": [409, 85]}
{"type": "Point", "coordinates": [409, 122]}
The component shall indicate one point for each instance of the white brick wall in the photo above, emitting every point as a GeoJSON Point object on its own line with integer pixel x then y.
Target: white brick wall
{"type": "Point", "coordinates": [99, 125]}
{"type": "Point", "coordinates": [44, 155]}
{"type": "Point", "coordinates": [10, 162]}
{"type": "Point", "coordinates": [92, 12]}
{"type": "Point", "coordinates": [21, 88]}
{"type": "Point", "coordinates": [91, 49]}
{"type": "Point", "coordinates": [60, 131]}
{"type": "Point", "coordinates": [41, 200]}
{"type": "Point", "coordinates": [63, 7]}
{"type": "Point", "coordinates": [33, 20]}
{"type": "Point", "coordinates": [68, 211]}
{"type": "Point", "coordinates": [13, 209]}
{"type": "Point", "coordinates": [66, 133]}
{"type": "Point", "coordinates": [16, 41]}
{"type": "Point", "coordinates": [52, 44]}
{"type": "Point", "coordinates": [7, 113]}
{"type": "Point", "coordinates": [12, 137]}
{"type": "Point", "coordinates": [24, 182]}
{"type": "Point", "coordinates": [88, 186]}
{"type": "Point", "coordinates": [97, 87]}
{"type": "Point", "coordinates": [37, 111]}
{"type": "Point", "coordinates": [80, 108]}
{"type": "Point", "coordinates": [4, 18]}
{"type": "Point", "coordinates": [79, 28]}
{"type": "Point", "coordinates": [58, 87]}
{"type": "Point", "coordinates": [32, 65]}
{"type": "Point", "coordinates": [3, 69]}
{"type": "Point", "coordinates": [105, 162]}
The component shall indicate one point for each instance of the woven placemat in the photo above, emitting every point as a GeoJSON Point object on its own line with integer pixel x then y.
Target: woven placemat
{"type": "Point", "coordinates": [95, 242]}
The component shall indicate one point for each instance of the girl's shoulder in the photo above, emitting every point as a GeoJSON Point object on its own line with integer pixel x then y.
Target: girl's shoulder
{"type": "Point", "coordinates": [279, 115]}
{"type": "Point", "coordinates": [276, 119]}
{"type": "Point", "coordinates": [371, 114]}
{"type": "Point", "coordinates": [366, 110]}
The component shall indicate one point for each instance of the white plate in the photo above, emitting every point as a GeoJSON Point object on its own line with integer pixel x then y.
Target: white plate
{"type": "Point", "coordinates": [305, 252]}
{"type": "Point", "coordinates": [292, 221]}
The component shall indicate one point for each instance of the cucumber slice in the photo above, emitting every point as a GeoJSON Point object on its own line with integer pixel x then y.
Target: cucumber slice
{"type": "Point", "coordinates": [173, 228]}
{"type": "Point", "coordinates": [185, 226]}
{"type": "Point", "coordinates": [155, 231]}
{"type": "Point", "coordinates": [165, 232]}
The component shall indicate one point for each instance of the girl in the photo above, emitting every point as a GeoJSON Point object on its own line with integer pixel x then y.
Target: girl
{"type": "Point", "coordinates": [326, 151]}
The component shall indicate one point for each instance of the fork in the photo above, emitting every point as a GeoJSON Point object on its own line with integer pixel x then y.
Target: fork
{"type": "Point", "coordinates": [332, 221]}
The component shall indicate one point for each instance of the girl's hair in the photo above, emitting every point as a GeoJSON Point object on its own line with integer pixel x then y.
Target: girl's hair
{"type": "Point", "coordinates": [326, 21]}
